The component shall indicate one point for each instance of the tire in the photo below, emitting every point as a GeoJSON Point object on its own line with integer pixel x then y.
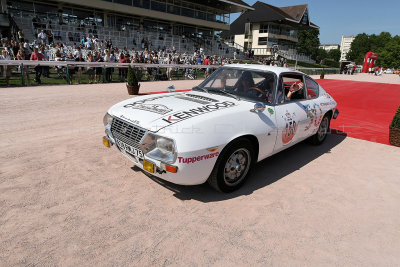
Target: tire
{"type": "Point", "coordinates": [322, 132]}
{"type": "Point", "coordinates": [233, 166]}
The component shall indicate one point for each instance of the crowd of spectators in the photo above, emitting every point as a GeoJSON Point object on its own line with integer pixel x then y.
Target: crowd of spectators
{"type": "Point", "coordinates": [91, 49]}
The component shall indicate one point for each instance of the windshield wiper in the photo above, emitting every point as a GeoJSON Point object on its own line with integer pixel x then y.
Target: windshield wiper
{"type": "Point", "coordinates": [197, 88]}
{"type": "Point", "coordinates": [224, 92]}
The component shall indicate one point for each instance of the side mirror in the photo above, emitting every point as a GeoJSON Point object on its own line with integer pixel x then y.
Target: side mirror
{"type": "Point", "coordinates": [171, 89]}
{"type": "Point", "coordinates": [258, 107]}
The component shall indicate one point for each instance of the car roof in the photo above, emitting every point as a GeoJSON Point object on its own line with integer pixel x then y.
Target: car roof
{"type": "Point", "coordinates": [276, 70]}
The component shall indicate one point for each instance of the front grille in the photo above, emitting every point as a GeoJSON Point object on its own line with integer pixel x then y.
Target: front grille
{"type": "Point", "coordinates": [127, 132]}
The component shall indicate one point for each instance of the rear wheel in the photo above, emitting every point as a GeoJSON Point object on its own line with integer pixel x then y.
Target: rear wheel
{"type": "Point", "coordinates": [233, 166]}
{"type": "Point", "coordinates": [322, 132]}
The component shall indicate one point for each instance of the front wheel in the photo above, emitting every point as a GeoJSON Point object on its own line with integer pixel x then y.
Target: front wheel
{"type": "Point", "coordinates": [233, 166]}
{"type": "Point", "coordinates": [322, 132]}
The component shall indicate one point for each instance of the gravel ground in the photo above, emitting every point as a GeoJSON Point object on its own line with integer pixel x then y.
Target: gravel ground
{"type": "Point", "coordinates": [65, 200]}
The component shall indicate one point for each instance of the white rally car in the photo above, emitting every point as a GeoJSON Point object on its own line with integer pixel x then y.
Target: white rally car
{"type": "Point", "coordinates": [238, 116]}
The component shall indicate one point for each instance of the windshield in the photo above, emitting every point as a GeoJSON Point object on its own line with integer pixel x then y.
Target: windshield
{"type": "Point", "coordinates": [242, 83]}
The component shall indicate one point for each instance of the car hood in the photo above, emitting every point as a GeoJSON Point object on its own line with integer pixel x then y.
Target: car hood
{"type": "Point", "coordinates": [154, 112]}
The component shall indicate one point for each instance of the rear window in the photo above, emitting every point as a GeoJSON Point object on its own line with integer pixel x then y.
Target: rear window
{"type": "Point", "coordinates": [312, 88]}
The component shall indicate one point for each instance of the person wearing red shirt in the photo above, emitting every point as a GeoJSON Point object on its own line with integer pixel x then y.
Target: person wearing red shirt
{"type": "Point", "coordinates": [206, 61]}
{"type": "Point", "coordinates": [38, 69]}
{"type": "Point", "coordinates": [124, 71]}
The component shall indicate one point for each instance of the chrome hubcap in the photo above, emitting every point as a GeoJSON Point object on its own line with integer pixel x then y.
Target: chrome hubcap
{"type": "Point", "coordinates": [323, 129]}
{"type": "Point", "coordinates": [237, 167]}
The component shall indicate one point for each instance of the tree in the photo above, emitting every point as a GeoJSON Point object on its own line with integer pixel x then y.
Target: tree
{"type": "Point", "coordinates": [308, 43]}
{"type": "Point", "coordinates": [334, 54]}
{"type": "Point", "coordinates": [389, 57]}
{"type": "Point", "coordinates": [359, 47]}
{"type": "Point", "coordinates": [321, 54]}
{"type": "Point", "coordinates": [384, 44]}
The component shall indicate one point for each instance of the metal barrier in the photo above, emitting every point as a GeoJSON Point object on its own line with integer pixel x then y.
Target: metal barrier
{"type": "Point", "coordinates": [145, 71]}
{"type": "Point", "coordinates": [67, 68]}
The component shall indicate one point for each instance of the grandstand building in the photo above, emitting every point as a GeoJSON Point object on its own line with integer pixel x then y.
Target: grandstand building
{"type": "Point", "coordinates": [267, 27]}
{"type": "Point", "coordinates": [127, 22]}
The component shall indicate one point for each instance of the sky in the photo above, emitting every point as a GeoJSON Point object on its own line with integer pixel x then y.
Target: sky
{"type": "Point", "coordinates": [346, 17]}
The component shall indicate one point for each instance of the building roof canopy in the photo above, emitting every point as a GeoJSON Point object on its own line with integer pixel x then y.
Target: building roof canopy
{"type": "Point", "coordinates": [230, 6]}
{"type": "Point", "coordinates": [296, 16]}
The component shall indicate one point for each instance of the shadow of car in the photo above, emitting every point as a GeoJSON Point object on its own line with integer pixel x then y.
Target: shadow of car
{"type": "Point", "coordinates": [266, 172]}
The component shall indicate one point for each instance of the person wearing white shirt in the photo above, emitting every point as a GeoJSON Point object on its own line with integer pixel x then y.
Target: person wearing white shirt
{"type": "Point", "coordinates": [107, 58]}
{"type": "Point", "coordinates": [27, 47]}
{"type": "Point", "coordinates": [77, 52]}
{"type": "Point", "coordinates": [89, 43]}
{"type": "Point", "coordinates": [42, 36]}
{"type": "Point", "coordinates": [6, 69]}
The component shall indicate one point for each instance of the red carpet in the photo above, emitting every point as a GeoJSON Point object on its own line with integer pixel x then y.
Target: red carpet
{"type": "Point", "coordinates": [366, 109]}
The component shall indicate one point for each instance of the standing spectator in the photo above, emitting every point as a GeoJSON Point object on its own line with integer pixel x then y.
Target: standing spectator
{"type": "Point", "coordinates": [42, 36]}
{"type": "Point", "coordinates": [121, 57]}
{"type": "Point", "coordinates": [46, 69]}
{"type": "Point", "coordinates": [59, 68]}
{"type": "Point", "coordinates": [77, 52]}
{"type": "Point", "coordinates": [83, 41]}
{"type": "Point", "coordinates": [21, 38]}
{"type": "Point", "coordinates": [353, 70]}
{"type": "Point", "coordinates": [206, 61]}
{"type": "Point", "coordinates": [50, 36]}
{"type": "Point", "coordinates": [79, 68]}
{"type": "Point", "coordinates": [15, 48]}
{"type": "Point", "coordinates": [95, 43]}
{"type": "Point", "coordinates": [71, 69]}
{"type": "Point", "coordinates": [99, 70]}
{"type": "Point", "coordinates": [21, 56]}
{"type": "Point", "coordinates": [6, 69]}
{"type": "Point", "coordinates": [90, 70]}
{"type": "Point", "coordinates": [107, 58]}
{"type": "Point", "coordinates": [27, 47]}
{"type": "Point", "coordinates": [88, 43]}
{"type": "Point", "coordinates": [36, 56]}
{"type": "Point", "coordinates": [124, 71]}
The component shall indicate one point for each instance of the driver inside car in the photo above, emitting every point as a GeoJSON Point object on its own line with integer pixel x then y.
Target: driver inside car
{"type": "Point", "coordinates": [244, 83]}
{"type": "Point", "coordinates": [246, 86]}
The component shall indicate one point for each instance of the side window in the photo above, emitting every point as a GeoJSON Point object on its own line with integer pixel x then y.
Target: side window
{"type": "Point", "coordinates": [312, 88]}
{"type": "Point", "coordinates": [291, 88]}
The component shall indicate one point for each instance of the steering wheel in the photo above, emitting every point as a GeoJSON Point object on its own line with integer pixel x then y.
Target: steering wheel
{"type": "Point", "coordinates": [264, 95]}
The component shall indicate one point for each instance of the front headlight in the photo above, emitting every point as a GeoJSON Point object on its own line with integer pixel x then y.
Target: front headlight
{"type": "Point", "coordinates": [159, 148]}
{"type": "Point", "coordinates": [107, 120]}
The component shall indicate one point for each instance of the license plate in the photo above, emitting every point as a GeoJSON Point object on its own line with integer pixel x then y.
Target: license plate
{"type": "Point", "coordinates": [130, 149]}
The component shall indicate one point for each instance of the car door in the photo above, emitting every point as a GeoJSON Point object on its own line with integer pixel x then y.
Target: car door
{"type": "Point", "coordinates": [291, 115]}
{"type": "Point", "coordinates": [312, 107]}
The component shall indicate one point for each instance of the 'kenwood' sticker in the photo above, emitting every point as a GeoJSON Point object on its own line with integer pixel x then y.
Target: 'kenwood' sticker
{"type": "Point", "coordinates": [183, 115]}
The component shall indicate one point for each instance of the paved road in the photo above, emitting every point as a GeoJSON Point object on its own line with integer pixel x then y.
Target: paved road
{"type": "Point", "coordinates": [66, 200]}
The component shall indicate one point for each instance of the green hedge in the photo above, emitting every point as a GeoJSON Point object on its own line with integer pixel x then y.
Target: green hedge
{"type": "Point", "coordinates": [331, 63]}
{"type": "Point", "coordinates": [396, 119]}
{"type": "Point", "coordinates": [306, 64]}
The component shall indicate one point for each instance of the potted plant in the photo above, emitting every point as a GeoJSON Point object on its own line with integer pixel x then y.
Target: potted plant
{"type": "Point", "coordinates": [394, 129]}
{"type": "Point", "coordinates": [322, 74]}
{"type": "Point", "coordinates": [132, 82]}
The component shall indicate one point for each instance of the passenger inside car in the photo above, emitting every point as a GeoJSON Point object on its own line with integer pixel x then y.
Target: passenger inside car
{"type": "Point", "coordinates": [291, 88]}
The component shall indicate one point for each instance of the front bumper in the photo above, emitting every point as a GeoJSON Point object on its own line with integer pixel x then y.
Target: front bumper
{"type": "Point", "coordinates": [183, 171]}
